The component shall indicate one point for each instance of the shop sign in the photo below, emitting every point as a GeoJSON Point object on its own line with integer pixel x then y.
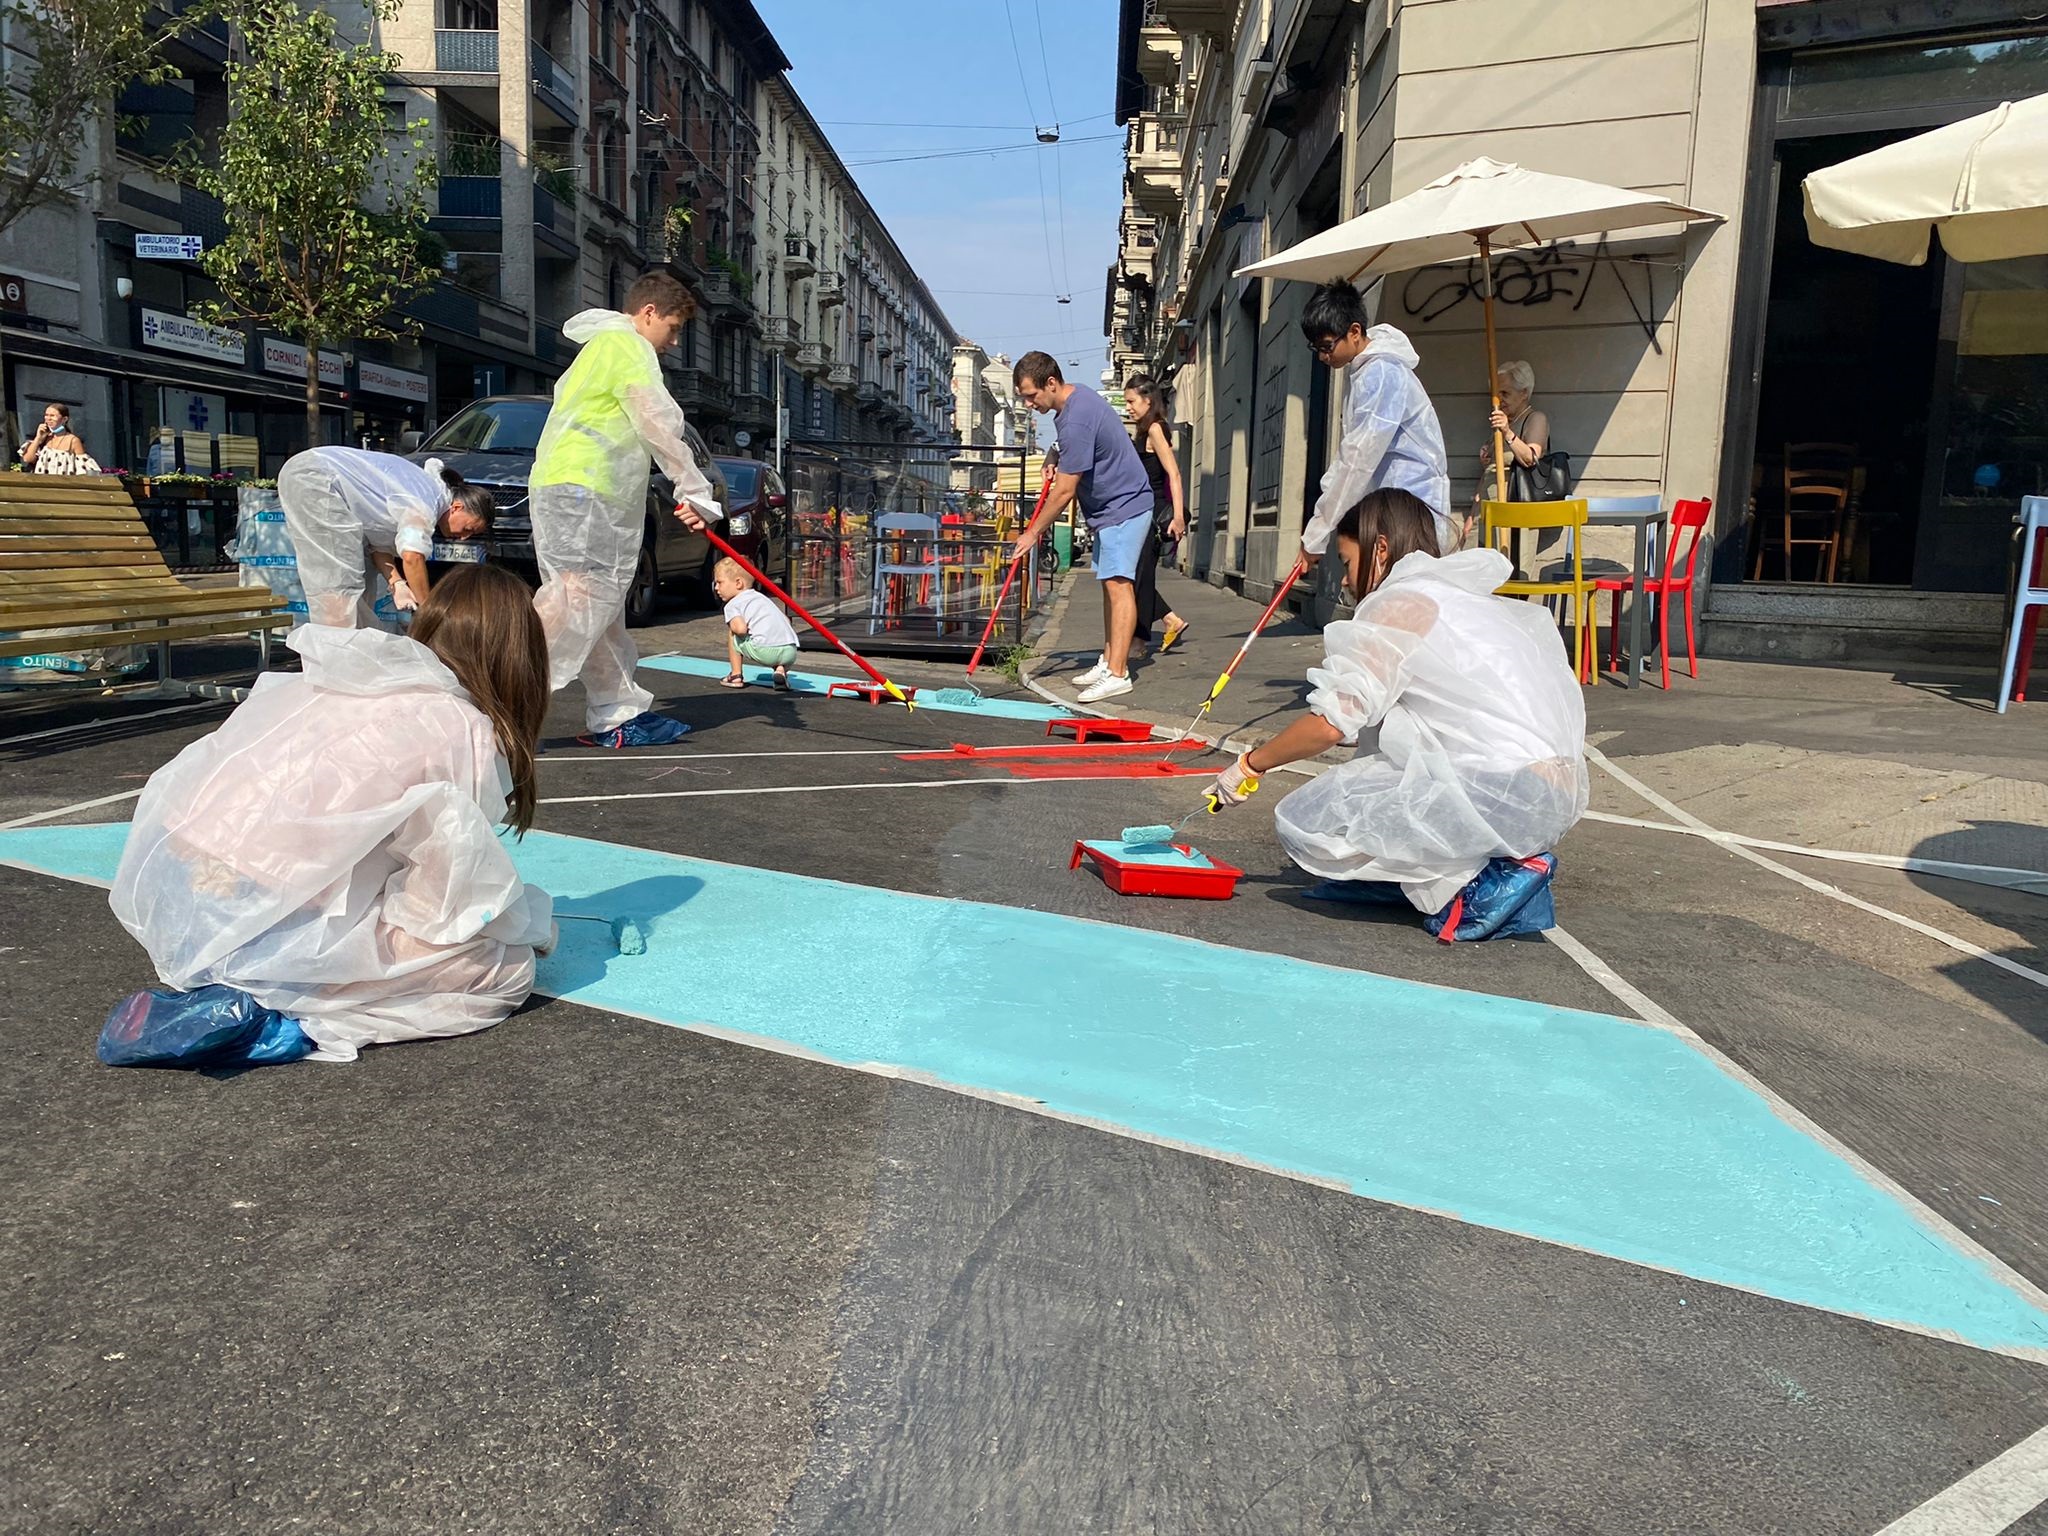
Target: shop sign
{"type": "Point", "coordinates": [169, 247]}
{"type": "Point", "coordinates": [382, 379]}
{"type": "Point", "coordinates": [181, 333]}
{"type": "Point", "coordinates": [13, 292]}
{"type": "Point", "coordinates": [288, 357]}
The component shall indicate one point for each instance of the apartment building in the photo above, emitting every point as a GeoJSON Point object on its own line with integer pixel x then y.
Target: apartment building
{"type": "Point", "coordinates": [864, 351]}
{"type": "Point", "coordinates": [1680, 365]}
{"type": "Point", "coordinates": [579, 142]}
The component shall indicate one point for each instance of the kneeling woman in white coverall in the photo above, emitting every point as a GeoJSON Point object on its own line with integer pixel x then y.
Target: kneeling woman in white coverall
{"type": "Point", "coordinates": [1471, 728]}
{"type": "Point", "coordinates": [352, 513]}
{"type": "Point", "coordinates": [332, 850]}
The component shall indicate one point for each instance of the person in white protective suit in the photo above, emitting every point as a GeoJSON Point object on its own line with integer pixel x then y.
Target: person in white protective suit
{"type": "Point", "coordinates": [1391, 434]}
{"type": "Point", "coordinates": [353, 514]}
{"type": "Point", "coordinates": [589, 501]}
{"type": "Point", "coordinates": [1471, 731]}
{"type": "Point", "coordinates": [333, 851]}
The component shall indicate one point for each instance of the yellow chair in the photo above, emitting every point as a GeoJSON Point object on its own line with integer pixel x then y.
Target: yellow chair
{"type": "Point", "coordinates": [1508, 516]}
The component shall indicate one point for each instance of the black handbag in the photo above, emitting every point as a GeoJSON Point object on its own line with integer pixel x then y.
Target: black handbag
{"type": "Point", "coordinates": [1548, 479]}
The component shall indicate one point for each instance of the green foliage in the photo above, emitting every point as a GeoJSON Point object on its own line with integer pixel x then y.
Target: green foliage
{"type": "Point", "coordinates": [326, 201]}
{"type": "Point", "coordinates": [67, 62]}
{"type": "Point", "coordinates": [1011, 663]}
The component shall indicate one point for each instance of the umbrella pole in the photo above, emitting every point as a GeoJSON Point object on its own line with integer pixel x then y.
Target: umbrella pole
{"type": "Point", "coordinates": [1500, 468]}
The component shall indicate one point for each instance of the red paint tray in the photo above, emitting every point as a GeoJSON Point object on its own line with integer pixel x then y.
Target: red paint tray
{"type": "Point", "coordinates": [1109, 730]}
{"type": "Point", "coordinates": [1184, 872]}
{"type": "Point", "coordinates": [874, 693]}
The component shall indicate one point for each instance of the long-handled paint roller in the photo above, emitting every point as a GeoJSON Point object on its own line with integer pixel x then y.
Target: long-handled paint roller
{"type": "Point", "coordinates": [1223, 677]}
{"type": "Point", "coordinates": [970, 696]}
{"type": "Point", "coordinates": [628, 935]}
{"type": "Point", "coordinates": [1162, 833]}
{"type": "Point", "coordinates": [801, 612]}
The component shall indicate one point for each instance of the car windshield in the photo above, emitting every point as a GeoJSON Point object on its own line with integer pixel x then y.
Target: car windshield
{"type": "Point", "coordinates": [492, 426]}
{"type": "Point", "coordinates": [742, 479]}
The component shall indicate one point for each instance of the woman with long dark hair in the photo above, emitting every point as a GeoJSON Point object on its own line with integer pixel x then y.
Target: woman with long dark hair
{"type": "Point", "coordinates": [1169, 507]}
{"type": "Point", "coordinates": [332, 851]}
{"type": "Point", "coordinates": [1477, 762]}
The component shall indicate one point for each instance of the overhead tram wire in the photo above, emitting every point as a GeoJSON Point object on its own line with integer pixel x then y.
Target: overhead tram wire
{"type": "Point", "coordinates": [1059, 188]}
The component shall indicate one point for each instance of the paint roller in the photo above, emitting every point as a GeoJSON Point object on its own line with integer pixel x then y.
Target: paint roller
{"type": "Point", "coordinates": [627, 935]}
{"type": "Point", "coordinates": [1162, 833]}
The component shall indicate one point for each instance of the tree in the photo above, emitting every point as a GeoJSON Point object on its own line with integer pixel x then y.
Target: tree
{"type": "Point", "coordinates": [326, 201]}
{"type": "Point", "coordinates": [66, 62]}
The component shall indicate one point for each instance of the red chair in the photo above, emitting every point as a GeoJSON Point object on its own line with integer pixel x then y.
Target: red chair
{"type": "Point", "coordinates": [1685, 515]}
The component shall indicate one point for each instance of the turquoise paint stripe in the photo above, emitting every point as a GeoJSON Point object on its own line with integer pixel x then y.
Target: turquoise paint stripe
{"type": "Point", "coordinates": [818, 682]}
{"type": "Point", "coordinates": [1574, 1127]}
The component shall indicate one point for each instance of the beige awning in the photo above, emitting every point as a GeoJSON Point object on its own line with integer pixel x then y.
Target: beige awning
{"type": "Point", "coordinates": [1482, 202]}
{"type": "Point", "coordinates": [1981, 184]}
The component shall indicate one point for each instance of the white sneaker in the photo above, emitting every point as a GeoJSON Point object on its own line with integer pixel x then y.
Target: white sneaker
{"type": "Point", "coordinates": [1112, 685]}
{"type": "Point", "coordinates": [1093, 675]}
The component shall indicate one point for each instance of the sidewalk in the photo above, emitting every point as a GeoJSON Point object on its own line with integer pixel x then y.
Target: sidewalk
{"type": "Point", "coordinates": [1906, 761]}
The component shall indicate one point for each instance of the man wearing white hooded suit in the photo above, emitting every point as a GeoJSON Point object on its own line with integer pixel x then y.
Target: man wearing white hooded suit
{"type": "Point", "coordinates": [1391, 434]}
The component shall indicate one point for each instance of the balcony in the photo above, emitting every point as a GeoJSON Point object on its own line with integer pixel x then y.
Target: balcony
{"type": "Point", "coordinates": [466, 52]}
{"type": "Point", "coordinates": [750, 407]}
{"type": "Point", "coordinates": [1157, 156]}
{"type": "Point", "coordinates": [812, 359]}
{"type": "Point", "coordinates": [471, 197]}
{"type": "Point", "coordinates": [1159, 53]}
{"type": "Point", "coordinates": [778, 335]}
{"type": "Point", "coordinates": [870, 393]}
{"type": "Point", "coordinates": [1208, 18]}
{"type": "Point", "coordinates": [831, 290]}
{"type": "Point", "coordinates": [553, 84]}
{"type": "Point", "coordinates": [701, 391]}
{"type": "Point", "coordinates": [866, 329]}
{"type": "Point", "coordinates": [842, 376]}
{"type": "Point", "coordinates": [885, 348]}
{"type": "Point", "coordinates": [721, 291]}
{"type": "Point", "coordinates": [799, 257]}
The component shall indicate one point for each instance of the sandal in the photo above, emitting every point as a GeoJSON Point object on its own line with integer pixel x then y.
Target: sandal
{"type": "Point", "coordinates": [782, 679]}
{"type": "Point", "coordinates": [1172, 638]}
{"type": "Point", "coordinates": [732, 680]}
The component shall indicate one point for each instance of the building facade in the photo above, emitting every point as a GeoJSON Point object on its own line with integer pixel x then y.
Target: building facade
{"type": "Point", "coordinates": [864, 350]}
{"type": "Point", "coordinates": [579, 143]}
{"type": "Point", "coordinates": [1683, 364]}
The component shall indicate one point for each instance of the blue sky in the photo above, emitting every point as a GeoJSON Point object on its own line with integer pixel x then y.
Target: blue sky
{"type": "Point", "coordinates": [975, 225]}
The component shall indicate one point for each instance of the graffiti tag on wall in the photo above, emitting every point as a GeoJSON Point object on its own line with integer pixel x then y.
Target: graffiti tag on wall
{"type": "Point", "coordinates": [1550, 274]}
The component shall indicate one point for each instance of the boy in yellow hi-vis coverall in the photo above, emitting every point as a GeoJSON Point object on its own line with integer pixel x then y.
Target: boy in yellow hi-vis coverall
{"type": "Point", "coordinates": [589, 502]}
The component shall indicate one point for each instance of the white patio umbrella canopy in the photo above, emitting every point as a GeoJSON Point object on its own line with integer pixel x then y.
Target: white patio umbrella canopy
{"type": "Point", "coordinates": [1481, 206]}
{"type": "Point", "coordinates": [1481, 201]}
{"type": "Point", "coordinates": [1981, 184]}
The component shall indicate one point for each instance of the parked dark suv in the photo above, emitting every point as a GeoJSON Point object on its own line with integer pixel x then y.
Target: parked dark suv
{"type": "Point", "coordinates": [491, 443]}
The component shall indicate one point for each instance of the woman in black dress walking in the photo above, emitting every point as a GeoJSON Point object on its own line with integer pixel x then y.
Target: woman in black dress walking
{"type": "Point", "coordinates": [1169, 508]}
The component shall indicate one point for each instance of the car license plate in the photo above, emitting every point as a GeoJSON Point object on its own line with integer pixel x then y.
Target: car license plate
{"type": "Point", "coordinates": [458, 552]}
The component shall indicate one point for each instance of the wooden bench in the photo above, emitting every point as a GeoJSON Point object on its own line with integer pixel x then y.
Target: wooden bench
{"type": "Point", "coordinates": [74, 550]}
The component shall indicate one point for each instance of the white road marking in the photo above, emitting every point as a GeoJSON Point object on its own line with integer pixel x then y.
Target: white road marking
{"type": "Point", "coordinates": [814, 789]}
{"type": "Point", "coordinates": [1987, 1500]}
{"type": "Point", "coordinates": [692, 757]}
{"type": "Point", "coordinates": [2032, 881]}
{"type": "Point", "coordinates": [1926, 930]}
{"type": "Point", "coordinates": [92, 725]}
{"type": "Point", "coordinates": [66, 810]}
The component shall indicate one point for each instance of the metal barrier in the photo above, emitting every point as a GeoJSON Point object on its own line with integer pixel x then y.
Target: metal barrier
{"type": "Point", "coordinates": [908, 545]}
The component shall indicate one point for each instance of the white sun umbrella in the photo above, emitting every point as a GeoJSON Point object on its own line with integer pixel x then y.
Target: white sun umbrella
{"type": "Point", "coordinates": [1483, 205]}
{"type": "Point", "coordinates": [1981, 184]}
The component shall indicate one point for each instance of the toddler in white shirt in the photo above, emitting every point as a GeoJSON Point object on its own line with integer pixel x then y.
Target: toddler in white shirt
{"type": "Point", "coordinates": [757, 630]}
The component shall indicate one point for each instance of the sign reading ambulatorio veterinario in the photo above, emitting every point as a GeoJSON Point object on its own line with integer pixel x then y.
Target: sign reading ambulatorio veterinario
{"type": "Point", "coordinates": [181, 333]}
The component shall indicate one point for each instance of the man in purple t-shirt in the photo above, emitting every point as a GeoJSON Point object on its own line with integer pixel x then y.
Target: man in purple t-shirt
{"type": "Point", "coordinates": [1098, 468]}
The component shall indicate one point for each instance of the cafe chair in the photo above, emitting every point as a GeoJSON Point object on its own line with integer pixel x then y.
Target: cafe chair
{"type": "Point", "coordinates": [1688, 518]}
{"type": "Point", "coordinates": [2029, 598]}
{"type": "Point", "coordinates": [1502, 517]}
{"type": "Point", "coordinates": [1817, 481]}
